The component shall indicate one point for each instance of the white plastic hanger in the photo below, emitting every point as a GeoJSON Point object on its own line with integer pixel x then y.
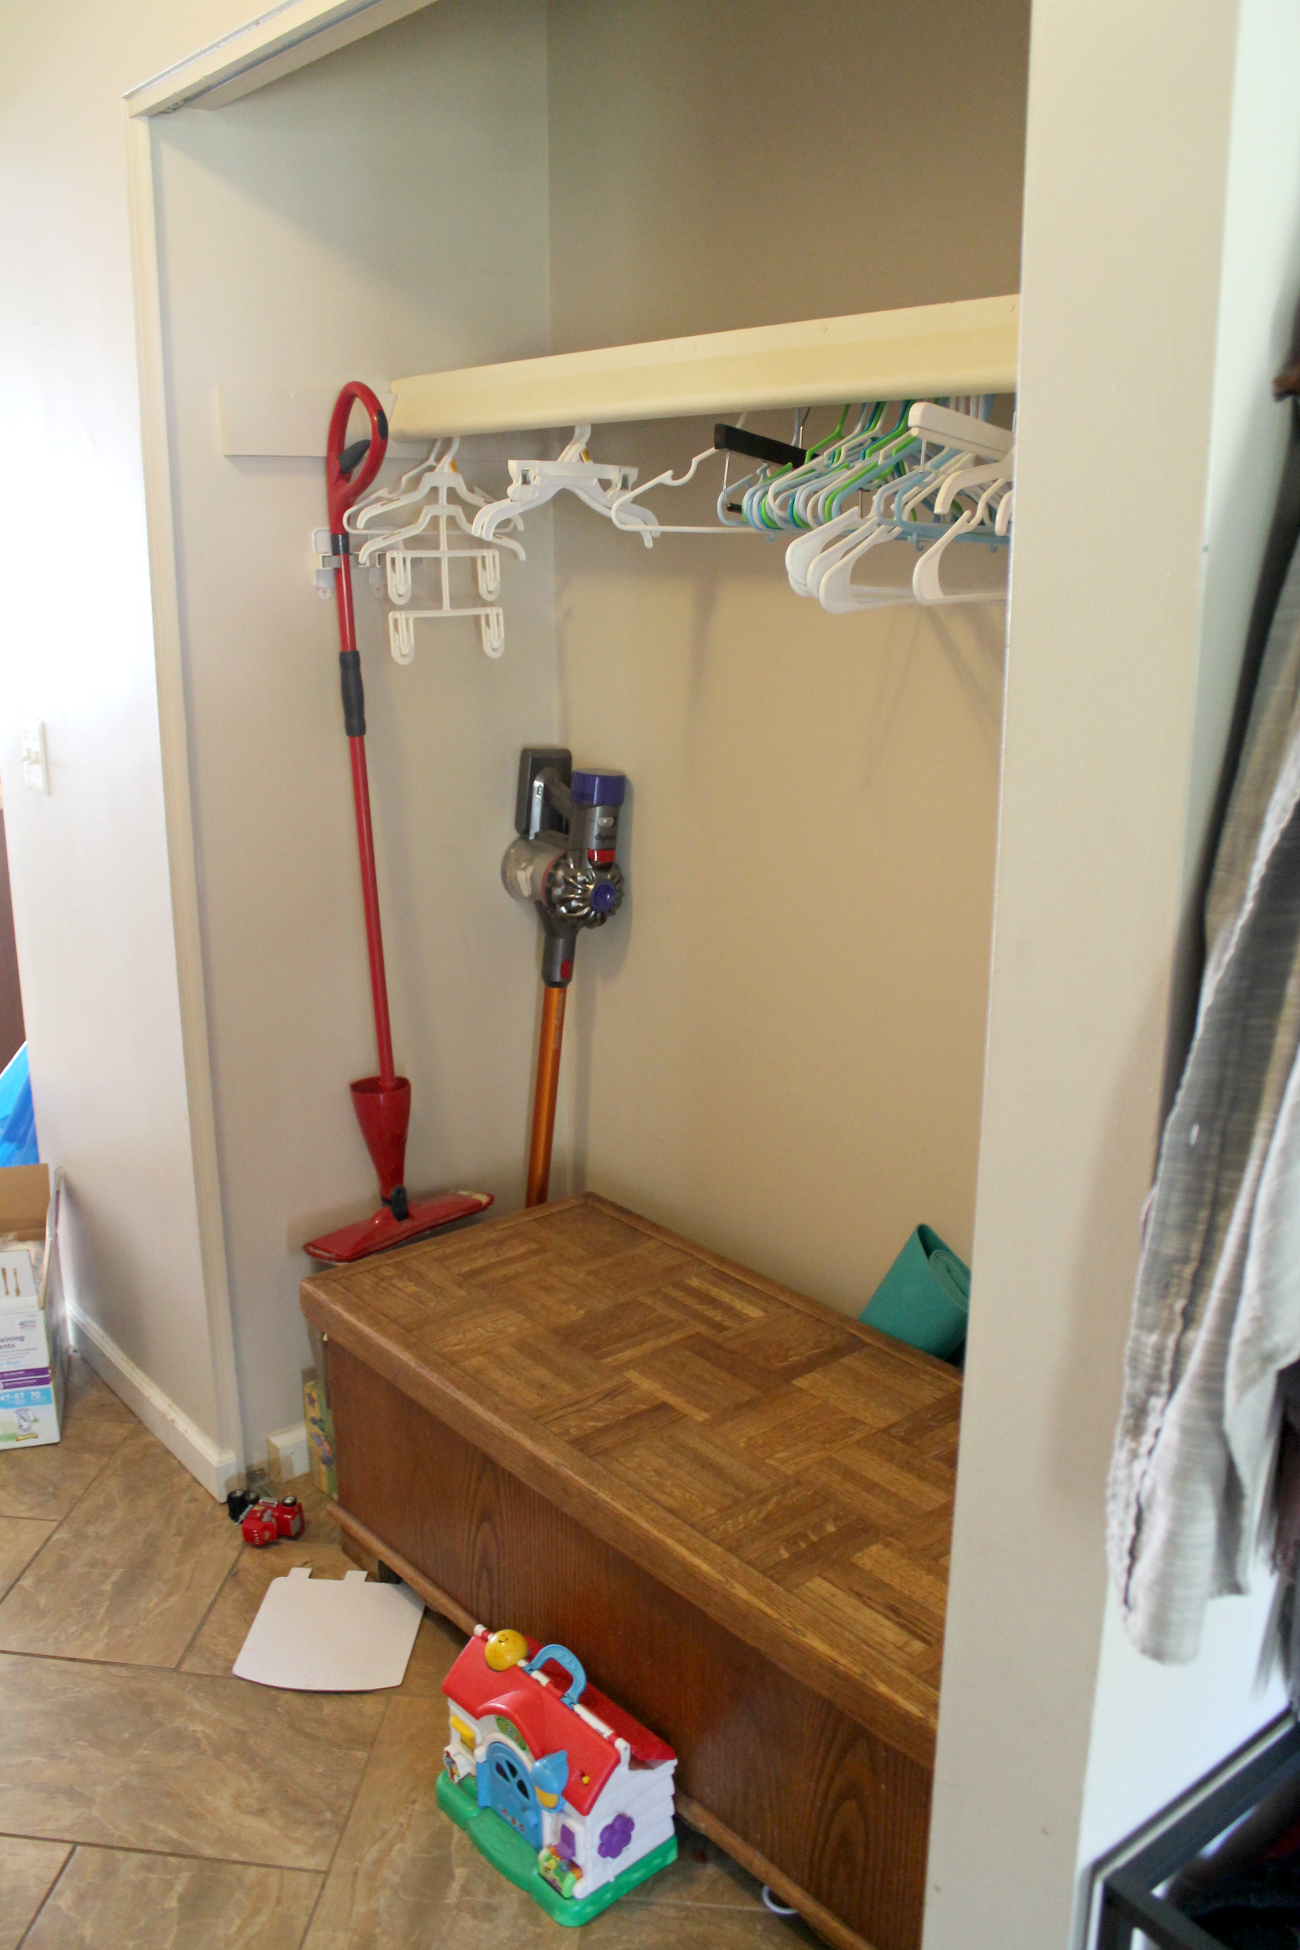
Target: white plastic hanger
{"type": "Point", "coordinates": [927, 584]}
{"type": "Point", "coordinates": [951, 429]}
{"type": "Point", "coordinates": [783, 502]}
{"type": "Point", "coordinates": [534, 482]}
{"type": "Point", "coordinates": [991, 510]}
{"type": "Point", "coordinates": [438, 483]}
{"type": "Point", "coordinates": [804, 549]}
{"type": "Point", "coordinates": [830, 576]}
{"type": "Point", "coordinates": [810, 557]}
{"type": "Point", "coordinates": [437, 466]}
{"type": "Point", "coordinates": [838, 594]}
{"type": "Point", "coordinates": [637, 520]}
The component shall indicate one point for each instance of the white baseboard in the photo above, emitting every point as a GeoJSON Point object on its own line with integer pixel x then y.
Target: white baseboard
{"type": "Point", "coordinates": [209, 1465]}
{"type": "Point", "coordinates": [286, 1451]}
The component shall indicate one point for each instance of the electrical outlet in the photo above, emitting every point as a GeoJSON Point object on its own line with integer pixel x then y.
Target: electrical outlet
{"type": "Point", "coordinates": [36, 772]}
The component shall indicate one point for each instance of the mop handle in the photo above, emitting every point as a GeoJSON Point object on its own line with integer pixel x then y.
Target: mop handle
{"type": "Point", "coordinates": [544, 1096]}
{"type": "Point", "coordinates": [342, 491]}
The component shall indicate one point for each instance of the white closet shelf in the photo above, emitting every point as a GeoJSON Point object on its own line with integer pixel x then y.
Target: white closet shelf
{"type": "Point", "coordinates": [924, 352]}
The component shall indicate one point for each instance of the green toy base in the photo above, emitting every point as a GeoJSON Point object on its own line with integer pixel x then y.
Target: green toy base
{"type": "Point", "coordinates": [509, 1853]}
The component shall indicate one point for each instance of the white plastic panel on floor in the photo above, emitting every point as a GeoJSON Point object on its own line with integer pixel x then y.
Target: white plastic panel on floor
{"type": "Point", "coordinates": [330, 1635]}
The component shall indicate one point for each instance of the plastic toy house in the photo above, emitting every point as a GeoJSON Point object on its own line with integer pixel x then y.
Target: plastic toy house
{"type": "Point", "coordinates": [561, 1790]}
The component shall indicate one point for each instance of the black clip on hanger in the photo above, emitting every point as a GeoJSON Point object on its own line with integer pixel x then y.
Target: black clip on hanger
{"type": "Point", "coordinates": [738, 440]}
{"type": "Point", "coordinates": [757, 446]}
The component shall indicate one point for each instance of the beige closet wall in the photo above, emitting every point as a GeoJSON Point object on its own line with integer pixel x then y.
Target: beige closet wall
{"type": "Point", "coordinates": [778, 1049]}
{"type": "Point", "coordinates": [715, 164]}
{"type": "Point", "coordinates": [294, 253]}
{"type": "Point", "coordinates": [92, 904]}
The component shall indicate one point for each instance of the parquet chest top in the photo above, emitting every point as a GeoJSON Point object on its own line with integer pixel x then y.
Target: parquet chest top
{"type": "Point", "coordinates": [787, 1470]}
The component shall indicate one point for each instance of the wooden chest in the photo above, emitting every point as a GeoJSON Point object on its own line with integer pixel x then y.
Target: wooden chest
{"type": "Point", "coordinates": [733, 1503]}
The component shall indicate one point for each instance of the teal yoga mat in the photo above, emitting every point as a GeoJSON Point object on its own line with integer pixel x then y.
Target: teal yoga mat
{"type": "Point", "coordinates": [924, 1298]}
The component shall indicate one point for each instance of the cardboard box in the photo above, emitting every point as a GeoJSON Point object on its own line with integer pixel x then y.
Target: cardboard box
{"type": "Point", "coordinates": [33, 1333]}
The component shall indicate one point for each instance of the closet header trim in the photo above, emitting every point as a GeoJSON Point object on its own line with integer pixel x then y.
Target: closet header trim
{"type": "Point", "coordinates": [278, 42]}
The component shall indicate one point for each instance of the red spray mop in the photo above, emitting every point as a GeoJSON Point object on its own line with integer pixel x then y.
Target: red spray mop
{"type": "Point", "coordinates": [382, 1103]}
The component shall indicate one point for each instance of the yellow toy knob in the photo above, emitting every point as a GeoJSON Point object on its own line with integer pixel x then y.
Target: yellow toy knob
{"type": "Point", "coordinates": [504, 1649]}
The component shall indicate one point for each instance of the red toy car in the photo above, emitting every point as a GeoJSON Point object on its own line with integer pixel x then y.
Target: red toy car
{"type": "Point", "coordinates": [268, 1521]}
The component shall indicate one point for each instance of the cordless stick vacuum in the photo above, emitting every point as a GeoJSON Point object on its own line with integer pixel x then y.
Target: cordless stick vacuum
{"type": "Point", "coordinates": [382, 1103]}
{"type": "Point", "coordinates": [565, 862]}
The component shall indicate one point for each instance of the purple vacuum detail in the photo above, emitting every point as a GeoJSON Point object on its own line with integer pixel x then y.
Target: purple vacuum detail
{"type": "Point", "coordinates": [597, 786]}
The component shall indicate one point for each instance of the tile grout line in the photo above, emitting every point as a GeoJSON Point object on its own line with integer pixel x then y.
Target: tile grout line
{"type": "Point", "coordinates": [58, 1522]}
{"type": "Point", "coordinates": [73, 1658]}
{"type": "Point", "coordinates": [54, 1524]}
{"type": "Point", "coordinates": [63, 1870]}
{"type": "Point", "coordinates": [73, 1842]}
{"type": "Point", "coordinates": [211, 1605]}
{"type": "Point", "coordinates": [280, 1868]}
{"type": "Point", "coordinates": [110, 1665]}
{"type": "Point", "coordinates": [75, 1504]}
{"type": "Point", "coordinates": [346, 1821]}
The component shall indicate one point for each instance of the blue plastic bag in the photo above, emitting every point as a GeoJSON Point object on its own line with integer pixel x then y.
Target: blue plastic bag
{"type": "Point", "coordinates": [17, 1118]}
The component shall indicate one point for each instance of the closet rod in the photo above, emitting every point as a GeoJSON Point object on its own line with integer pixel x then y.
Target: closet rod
{"type": "Point", "coordinates": [923, 352]}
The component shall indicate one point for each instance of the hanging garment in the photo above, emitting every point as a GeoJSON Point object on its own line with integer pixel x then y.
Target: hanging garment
{"type": "Point", "coordinates": [1216, 1313]}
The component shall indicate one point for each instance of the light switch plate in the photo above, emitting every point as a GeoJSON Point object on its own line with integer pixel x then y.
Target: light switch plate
{"type": "Point", "coordinates": [36, 772]}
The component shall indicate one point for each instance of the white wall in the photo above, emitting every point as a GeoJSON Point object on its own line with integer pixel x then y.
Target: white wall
{"type": "Point", "coordinates": [778, 1047]}
{"type": "Point", "coordinates": [715, 165]}
{"type": "Point", "coordinates": [1160, 325]}
{"type": "Point", "coordinates": [89, 864]}
{"type": "Point", "coordinates": [289, 257]}
{"type": "Point", "coordinates": [1155, 1730]}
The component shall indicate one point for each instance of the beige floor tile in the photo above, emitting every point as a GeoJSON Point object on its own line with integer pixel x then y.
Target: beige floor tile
{"type": "Point", "coordinates": [179, 1763]}
{"type": "Point", "coordinates": [166, 1902]}
{"type": "Point", "coordinates": [131, 1572]}
{"type": "Point", "coordinates": [20, 1539]}
{"type": "Point", "coordinates": [696, 1926]}
{"type": "Point", "coordinates": [701, 1876]}
{"type": "Point", "coordinates": [46, 1482]}
{"type": "Point", "coordinates": [26, 1871]}
{"type": "Point", "coordinates": [401, 1862]}
{"type": "Point", "coordinates": [437, 1647]}
{"type": "Point", "coordinates": [217, 1643]}
{"type": "Point", "coordinates": [402, 1866]}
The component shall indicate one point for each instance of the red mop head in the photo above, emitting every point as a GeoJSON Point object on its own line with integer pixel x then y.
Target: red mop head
{"type": "Point", "coordinates": [383, 1108]}
{"type": "Point", "coordinates": [382, 1230]}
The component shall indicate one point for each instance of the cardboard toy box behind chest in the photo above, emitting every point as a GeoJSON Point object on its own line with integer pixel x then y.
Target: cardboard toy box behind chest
{"type": "Point", "coordinates": [33, 1339]}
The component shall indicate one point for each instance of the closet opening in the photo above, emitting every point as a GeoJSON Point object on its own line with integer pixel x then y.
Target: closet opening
{"type": "Point", "coordinates": [774, 1059]}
